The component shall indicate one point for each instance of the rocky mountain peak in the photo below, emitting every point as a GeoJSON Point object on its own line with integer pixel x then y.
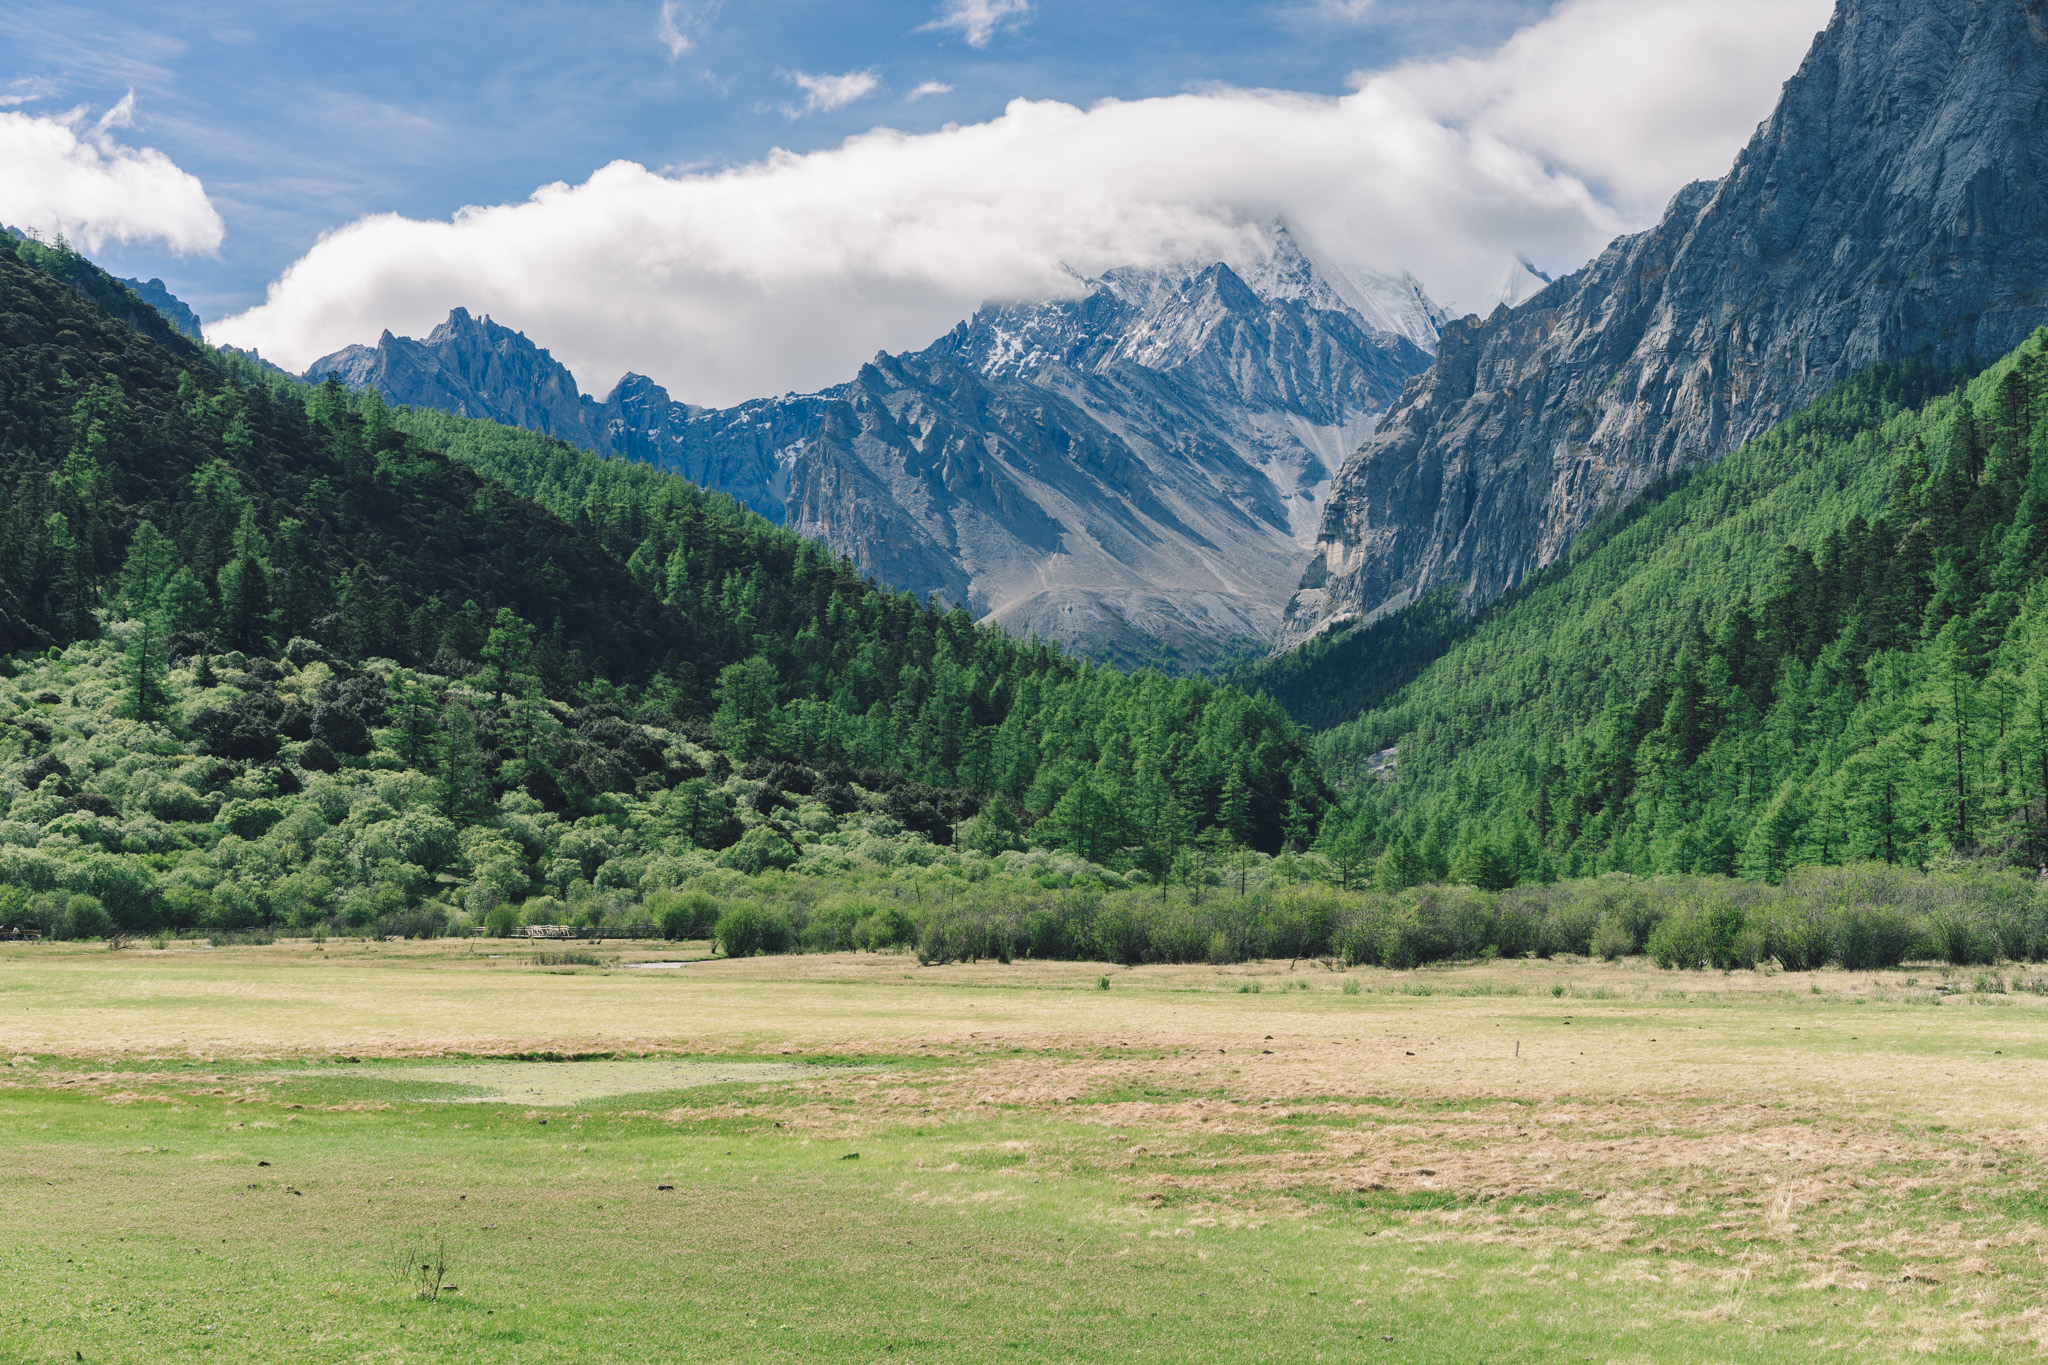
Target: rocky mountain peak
{"type": "Point", "coordinates": [175, 310]}
{"type": "Point", "coordinates": [1169, 316]}
{"type": "Point", "coordinates": [1894, 205]}
{"type": "Point", "coordinates": [1136, 471]}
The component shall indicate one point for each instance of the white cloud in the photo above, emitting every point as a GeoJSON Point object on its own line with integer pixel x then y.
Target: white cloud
{"type": "Point", "coordinates": [978, 20]}
{"type": "Point", "coordinates": [25, 90]}
{"type": "Point", "coordinates": [1344, 11]}
{"type": "Point", "coordinates": [63, 176]}
{"type": "Point", "coordinates": [926, 90]}
{"type": "Point", "coordinates": [1635, 97]}
{"type": "Point", "coordinates": [682, 23]}
{"type": "Point", "coordinates": [824, 94]}
{"type": "Point", "coordinates": [785, 274]}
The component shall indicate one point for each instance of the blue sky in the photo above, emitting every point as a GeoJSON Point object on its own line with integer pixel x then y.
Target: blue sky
{"type": "Point", "coordinates": [741, 199]}
{"type": "Point", "coordinates": [299, 118]}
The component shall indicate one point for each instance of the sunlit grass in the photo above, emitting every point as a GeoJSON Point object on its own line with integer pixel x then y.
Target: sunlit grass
{"type": "Point", "coordinates": [996, 1162]}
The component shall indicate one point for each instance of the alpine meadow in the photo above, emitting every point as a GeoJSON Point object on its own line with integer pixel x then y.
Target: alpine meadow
{"type": "Point", "coordinates": [1348, 766]}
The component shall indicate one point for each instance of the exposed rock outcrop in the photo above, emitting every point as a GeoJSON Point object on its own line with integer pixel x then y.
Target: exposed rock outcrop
{"type": "Point", "coordinates": [174, 309]}
{"type": "Point", "coordinates": [1894, 205]}
{"type": "Point", "coordinates": [1136, 472]}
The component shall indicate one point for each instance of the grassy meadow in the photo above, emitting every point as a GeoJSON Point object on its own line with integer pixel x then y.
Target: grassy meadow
{"type": "Point", "coordinates": [250, 1153]}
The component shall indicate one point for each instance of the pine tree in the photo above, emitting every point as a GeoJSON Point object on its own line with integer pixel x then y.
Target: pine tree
{"type": "Point", "coordinates": [1774, 843]}
{"type": "Point", "coordinates": [245, 589]}
{"type": "Point", "coordinates": [506, 651]}
{"type": "Point", "coordinates": [1085, 824]}
{"type": "Point", "coordinates": [745, 719]}
{"type": "Point", "coordinates": [145, 668]}
{"type": "Point", "coordinates": [147, 572]}
{"type": "Point", "coordinates": [1952, 693]}
{"type": "Point", "coordinates": [459, 766]}
{"type": "Point", "coordinates": [186, 606]}
{"type": "Point", "coordinates": [1234, 807]}
{"type": "Point", "coordinates": [1402, 865]}
{"type": "Point", "coordinates": [415, 716]}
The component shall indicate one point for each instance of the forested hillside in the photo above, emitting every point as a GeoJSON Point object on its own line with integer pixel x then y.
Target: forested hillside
{"type": "Point", "coordinates": [1827, 648]}
{"type": "Point", "coordinates": [244, 589]}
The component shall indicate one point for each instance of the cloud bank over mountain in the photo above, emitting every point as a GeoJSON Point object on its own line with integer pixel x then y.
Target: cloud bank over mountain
{"type": "Point", "coordinates": [64, 176]}
{"type": "Point", "coordinates": [780, 275]}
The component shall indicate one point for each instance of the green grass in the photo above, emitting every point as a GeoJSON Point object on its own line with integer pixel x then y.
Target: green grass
{"type": "Point", "coordinates": [157, 1236]}
{"type": "Point", "coordinates": [966, 1166]}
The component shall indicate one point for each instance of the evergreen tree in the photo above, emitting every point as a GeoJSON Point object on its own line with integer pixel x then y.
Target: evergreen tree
{"type": "Point", "coordinates": [186, 606]}
{"type": "Point", "coordinates": [507, 651]}
{"type": "Point", "coordinates": [459, 766]}
{"type": "Point", "coordinates": [415, 716]}
{"type": "Point", "coordinates": [145, 669]}
{"type": "Point", "coordinates": [1086, 824]}
{"type": "Point", "coordinates": [1951, 692]}
{"type": "Point", "coordinates": [147, 572]}
{"type": "Point", "coordinates": [746, 716]}
{"type": "Point", "coordinates": [245, 591]}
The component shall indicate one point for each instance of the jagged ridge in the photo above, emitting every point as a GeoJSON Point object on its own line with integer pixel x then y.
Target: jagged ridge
{"type": "Point", "coordinates": [1136, 471]}
{"type": "Point", "coordinates": [1892, 206]}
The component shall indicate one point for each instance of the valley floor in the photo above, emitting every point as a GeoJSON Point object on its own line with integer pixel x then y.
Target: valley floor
{"type": "Point", "coordinates": [250, 1153]}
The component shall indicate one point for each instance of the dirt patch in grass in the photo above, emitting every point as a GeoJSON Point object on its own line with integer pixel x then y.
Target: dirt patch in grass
{"type": "Point", "coordinates": [559, 1084]}
{"type": "Point", "coordinates": [1740, 1152]}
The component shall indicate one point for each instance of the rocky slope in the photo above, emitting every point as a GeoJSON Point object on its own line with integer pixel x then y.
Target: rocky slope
{"type": "Point", "coordinates": [1893, 206]}
{"type": "Point", "coordinates": [1136, 472]}
{"type": "Point", "coordinates": [174, 309]}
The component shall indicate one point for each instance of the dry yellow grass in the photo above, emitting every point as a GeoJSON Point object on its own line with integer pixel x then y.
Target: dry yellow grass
{"type": "Point", "coordinates": [1831, 1135]}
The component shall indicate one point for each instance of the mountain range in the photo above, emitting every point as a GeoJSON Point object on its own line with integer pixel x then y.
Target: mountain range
{"type": "Point", "coordinates": [1893, 206]}
{"type": "Point", "coordinates": [1137, 471]}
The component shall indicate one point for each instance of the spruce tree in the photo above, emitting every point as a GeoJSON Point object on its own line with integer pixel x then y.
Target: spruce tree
{"type": "Point", "coordinates": [506, 651]}
{"type": "Point", "coordinates": [147, 571]}
{"type": "Point", "coordinates": [145, 667]}
{"type": "Point", "coordinates": [459, 766]}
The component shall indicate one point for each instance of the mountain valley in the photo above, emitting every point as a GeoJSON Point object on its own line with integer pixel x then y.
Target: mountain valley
{"type": "Point", "coordinates": [1136, 472]}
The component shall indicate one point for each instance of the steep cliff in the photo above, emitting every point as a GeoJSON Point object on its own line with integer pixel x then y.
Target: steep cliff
{"type": "Point", "coordinates": [174, 309]}
{"type": "Point", "coordinates": [1136, 472]}
{"type": "Point", "coordinates": [1892, 206]}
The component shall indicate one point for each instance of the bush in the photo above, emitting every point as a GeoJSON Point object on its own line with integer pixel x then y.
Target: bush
{"type": "Point", "coordinates": [1685, 940]}
{"type": "Point", "coordinates": [1868, 937]}
{"type": "Point", "coordinates": [83, 917]}
{"type": "Point", "coordinates": [502, 921]}
{"type": "Point", "coordinates": [1796, 933]}
{"type": "Point", "coordinates": [746, 929]}
{"type": "Point", "coordinates": [425, 921]}
{"type": "Point", "coordinates": [760, 849]}
{"type": "Point", "coordinates": [886, 926]}
{"type": "Point", "coordinates": [1118, 937]}
{"type": "Point", "coordinates": [683, 914]}
{"type": "Point", "coordinates": [1612, 939]}
{"type": "Point", "coordinates": [249, 819]}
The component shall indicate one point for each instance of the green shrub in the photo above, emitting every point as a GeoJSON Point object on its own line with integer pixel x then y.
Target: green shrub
{"type": "Point", "coordinates": [884, 926]}
{"type": "Point", "coordinates": [1685, 940]}
{"type": "Point", "coordinates": [760, 849]}
{"type": "Point", "coordinates": [1796, 934]}
{"type": "Point", "coordinates": [747, 929]}
{"type": "Point", "coordinates": [1612, 939]}
{"type": "Point", "coordinates": [683, 914]}
{"type": "Point", "coordinates": [249, 819]}
{"type": "Point", "coordinates": [83, 917]}
{"type": "Point", "coordinates": [1118, 935]}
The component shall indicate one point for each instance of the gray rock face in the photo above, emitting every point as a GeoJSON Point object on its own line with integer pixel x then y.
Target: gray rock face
{"type": "Point", "coordinates": [474, 368]}
{"type": "Point", "coordinates": [1893, 206]}
{"type": "Point", "coordinates": [174, 309]}
{"type": "Point", "coordinates": [1136, 472]}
